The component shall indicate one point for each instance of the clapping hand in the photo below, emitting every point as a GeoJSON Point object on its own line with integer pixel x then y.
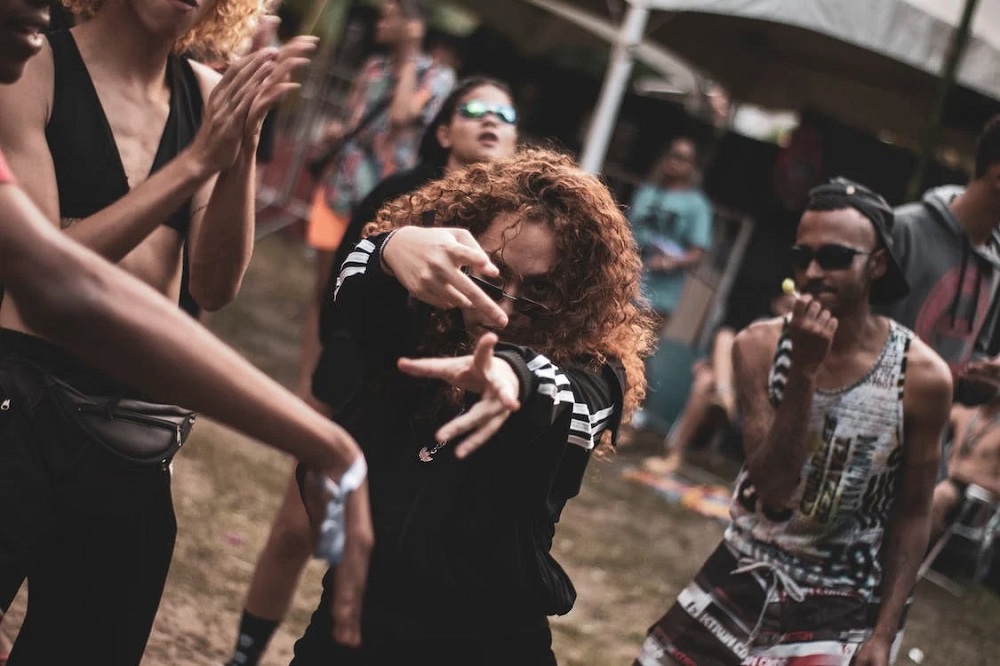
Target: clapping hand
{"type": "Point", "coordinates": [238, 103]}
{"type": "Point", "coordinates": [482, 373]}
{"type": "Point", "coordinates": [293, 55]}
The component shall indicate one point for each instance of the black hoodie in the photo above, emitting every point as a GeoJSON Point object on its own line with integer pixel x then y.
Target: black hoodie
{"type": "Point", "coordinates": [953, 284]}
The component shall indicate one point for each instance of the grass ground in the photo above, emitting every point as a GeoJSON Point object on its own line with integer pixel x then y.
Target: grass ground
{"type": "Point", "coordinates": [629, 552]}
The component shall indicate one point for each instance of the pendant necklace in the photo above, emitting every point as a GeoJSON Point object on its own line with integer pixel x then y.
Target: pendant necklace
{"type": "Point", "coordinates": [427, 455]}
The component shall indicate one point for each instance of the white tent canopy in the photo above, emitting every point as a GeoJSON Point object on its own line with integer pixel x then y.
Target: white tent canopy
{"type": "Point", "coordinates": [872, 63]}
{"type": "Point", "coordinates": [914, 32]}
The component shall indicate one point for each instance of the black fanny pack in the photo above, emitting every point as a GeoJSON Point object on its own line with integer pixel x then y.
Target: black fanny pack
{"type": "Point", "coordinates": [146, 433]}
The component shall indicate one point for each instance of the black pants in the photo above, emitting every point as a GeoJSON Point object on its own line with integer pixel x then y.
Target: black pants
{"type": "Point", "coordinates": [526, 646]}
{"type": "Point", "coordinates": [92, 533]}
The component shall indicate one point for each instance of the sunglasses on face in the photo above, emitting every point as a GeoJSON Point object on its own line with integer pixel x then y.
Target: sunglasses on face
{"type": "Point", "coordinates": [523, 305]}
{"type": "Point", "coordinates": [476, 109]}
{"type": "Point", "coordinates": [829, 257]}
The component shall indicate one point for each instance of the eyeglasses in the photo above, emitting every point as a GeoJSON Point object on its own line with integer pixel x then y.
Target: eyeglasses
{"type": "Point", "coordinates": [476, 109]}
{"type": "Point", "coordinates": [525, 306]}
{"type": "Point", "coordinates": [829, 257]}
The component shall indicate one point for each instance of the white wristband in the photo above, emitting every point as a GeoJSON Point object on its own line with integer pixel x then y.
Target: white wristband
{"type": "Point", "coordinates": [354, 475]}
{"type": "Point", "coordinates": [330, 544]}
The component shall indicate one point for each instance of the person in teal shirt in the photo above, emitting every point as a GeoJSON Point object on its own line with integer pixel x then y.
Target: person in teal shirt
{"type": "Point", "coordinates": [672, 222]}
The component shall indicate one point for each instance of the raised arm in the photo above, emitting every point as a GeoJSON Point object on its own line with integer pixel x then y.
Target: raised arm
{"type": "Point", "coordinates": [926, 405]}
{"type": "Point", "coordinates": [774, 438]}
{"type": "Point", "coordinates": [426, 263]}
{"type": "Point", "coordinates": [222, 226]}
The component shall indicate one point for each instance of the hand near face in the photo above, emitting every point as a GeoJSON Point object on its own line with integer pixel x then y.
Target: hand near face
{"type": "Point", "coordinates": [811, 330]}
{"type": "Point", "coordinates": [482, 373]}
{"type": "Point", "coordinates": [428, 262]}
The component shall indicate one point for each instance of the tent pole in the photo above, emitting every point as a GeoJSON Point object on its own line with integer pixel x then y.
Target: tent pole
{"type": "Point", "coordinates": [602, 123]}
{"type": "Point", "coordinates": [949, 72]}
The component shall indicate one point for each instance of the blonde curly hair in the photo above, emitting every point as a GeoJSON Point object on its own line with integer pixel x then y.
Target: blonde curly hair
{"type": "Point", "coordinates": [219, 36]}
{"type": "Point", "coordinates": [596, 273]}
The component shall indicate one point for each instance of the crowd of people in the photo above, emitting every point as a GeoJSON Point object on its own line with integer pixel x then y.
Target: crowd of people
{"type": "Point", "coordinates": [480, 329]}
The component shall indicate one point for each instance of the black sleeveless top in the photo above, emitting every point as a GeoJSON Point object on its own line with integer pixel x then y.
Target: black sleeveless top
{"type": "Point", "coordinates": [89, 171]}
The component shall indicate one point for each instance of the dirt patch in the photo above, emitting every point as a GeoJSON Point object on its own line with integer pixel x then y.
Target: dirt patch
{"type": "Point", "coordinates": [628, 551]}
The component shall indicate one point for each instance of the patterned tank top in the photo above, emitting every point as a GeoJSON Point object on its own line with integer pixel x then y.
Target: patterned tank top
{"type": "Point", "coordinates": [831, 535]}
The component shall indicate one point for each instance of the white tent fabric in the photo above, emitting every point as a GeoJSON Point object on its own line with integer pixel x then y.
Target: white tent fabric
{"type": "Point", "coordinates": [870, 63]}
{"type": "Point", "coordinates": [681, 74]}
{"type": "Point", "coordinates": [915, 32]}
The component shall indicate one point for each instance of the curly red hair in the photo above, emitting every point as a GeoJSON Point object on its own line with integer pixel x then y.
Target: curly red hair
{"type": "Point", "coordinates": [597, 269]}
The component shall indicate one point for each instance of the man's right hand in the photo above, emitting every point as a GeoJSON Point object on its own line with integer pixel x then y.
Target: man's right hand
{"type": "Point", "coordinates": [811, 330]}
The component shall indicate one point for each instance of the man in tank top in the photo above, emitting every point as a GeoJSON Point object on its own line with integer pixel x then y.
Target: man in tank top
{"type": "Point", "coordinates": [109, 136]}
{"type": "Point", "coordinates": [843, 411]}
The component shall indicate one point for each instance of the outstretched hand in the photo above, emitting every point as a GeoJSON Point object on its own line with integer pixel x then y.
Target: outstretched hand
{"type": "Point", "coordinates": [482, 373]}
{"type": "Point", "coordinates": [428, 262]}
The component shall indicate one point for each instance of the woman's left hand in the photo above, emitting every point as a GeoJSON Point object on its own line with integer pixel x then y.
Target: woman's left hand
{"type": "Point", "coordinates": [483, 373]}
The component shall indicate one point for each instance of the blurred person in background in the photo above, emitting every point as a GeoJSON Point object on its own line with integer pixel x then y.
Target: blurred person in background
{"type": "Point", "coordinates": [949, 248]}
{"type": "Point", "coordinates": [477, 122]}
{"type": "Point", "coordinates": [672, 222]}
{"type": "Point", "coordinates": [974, 460]}
{"type": "Point", "coordinates": [711, 404]}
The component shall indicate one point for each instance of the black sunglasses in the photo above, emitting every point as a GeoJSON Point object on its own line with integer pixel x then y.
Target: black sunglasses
{"type": "Point", "coordinates": [476, 109]}
{"type": "Point", "coordinates": [829, 257]}
{"type": "Point", "coordinates": [525, 306]}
